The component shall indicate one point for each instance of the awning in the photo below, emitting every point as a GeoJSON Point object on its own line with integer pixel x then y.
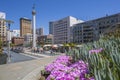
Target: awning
{"type": "Point", "coordinates": [54, 46]}
{"type": "Point", "coordinates": [47, 45]}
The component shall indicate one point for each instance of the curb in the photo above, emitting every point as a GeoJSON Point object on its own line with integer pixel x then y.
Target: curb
{"type": "Point", "coordinates": [36, 54]}
{"type": "Point", "coordinates": [34, 75]}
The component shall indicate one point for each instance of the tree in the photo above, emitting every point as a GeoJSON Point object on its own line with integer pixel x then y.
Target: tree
{"type": "Point", "coordinates": [12, 45]}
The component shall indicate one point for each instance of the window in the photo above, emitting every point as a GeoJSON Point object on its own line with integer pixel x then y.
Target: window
{"type": "Point", "coordinates": [112, 21]}
{"type": "Point", "coordinates": [116, 19]}
{"type": "Point", "coordinates": [99, 23]}
{"type": "Point", "coordinates": [107, 21]}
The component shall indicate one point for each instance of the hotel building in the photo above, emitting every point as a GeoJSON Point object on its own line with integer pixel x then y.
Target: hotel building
{"type": "Point", "coordinates": [91, 30]}
{"type": "Point", "coordinates": [61, 29]}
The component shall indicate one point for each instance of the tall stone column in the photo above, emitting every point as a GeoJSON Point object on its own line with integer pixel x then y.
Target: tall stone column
{"type": "Point", "coordinates": [34, 26]}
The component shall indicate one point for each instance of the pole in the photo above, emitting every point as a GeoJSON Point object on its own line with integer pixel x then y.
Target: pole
{"type": "Point", "coordinates": [8, 35]}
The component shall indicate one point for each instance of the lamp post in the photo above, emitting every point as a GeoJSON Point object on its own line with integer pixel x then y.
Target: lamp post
{"type": "Point", "coordinates": [8, 38]}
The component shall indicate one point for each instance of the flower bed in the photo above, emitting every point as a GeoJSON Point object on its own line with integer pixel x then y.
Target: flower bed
{"type": "Point", "coordinates": [63, 68]}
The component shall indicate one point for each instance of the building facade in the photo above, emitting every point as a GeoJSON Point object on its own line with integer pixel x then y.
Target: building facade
{"type": "Point", "coordinates": [83, 33]}
{"type": "Point", "coordinates": [61, 29]}
{"type": "Point", "coordinates": [40, 31]}
{"type": "Point", "coordinates": [3, 26]}
{"type": "Point", "coordinates": [25, 26]}
{"type": "Point", "coordinates": [51, 27]}
{"type": "Point", "coordinates": [91, 30]}
{"type": "Point", "coordinates": [28, 38]}
{"type": "Point", "coordinates": [18, 41]}
{"type": "Point", "coordinates": [45, 39]}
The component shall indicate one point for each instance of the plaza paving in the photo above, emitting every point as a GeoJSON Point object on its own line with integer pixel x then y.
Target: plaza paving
{"type": "Point", "coordinates": [27, 70]}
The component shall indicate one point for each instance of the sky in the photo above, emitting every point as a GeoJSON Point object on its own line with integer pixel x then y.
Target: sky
{"type": "Point", "coordinates": [51, 10]}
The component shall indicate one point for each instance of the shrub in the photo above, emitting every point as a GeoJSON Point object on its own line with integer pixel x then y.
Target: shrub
{"type": "Point", "coordinates": [104, 62]}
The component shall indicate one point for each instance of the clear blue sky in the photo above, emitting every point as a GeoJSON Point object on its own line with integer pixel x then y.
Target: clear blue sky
{"type": "Point", "coordinates": [50, 10]}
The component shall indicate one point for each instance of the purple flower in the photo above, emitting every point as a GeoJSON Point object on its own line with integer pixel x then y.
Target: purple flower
{"type": "Point", "coordinates": [96, 51]}
{"type": "Point", "coordinates": [60, 70]}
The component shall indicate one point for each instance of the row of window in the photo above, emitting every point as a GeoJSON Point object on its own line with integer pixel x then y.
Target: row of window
{"type": "Point", "coordinates": [108, 21]}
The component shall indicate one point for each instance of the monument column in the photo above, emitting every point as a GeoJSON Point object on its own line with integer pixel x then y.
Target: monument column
{"type": "Point", "coordinates": [34, 26]}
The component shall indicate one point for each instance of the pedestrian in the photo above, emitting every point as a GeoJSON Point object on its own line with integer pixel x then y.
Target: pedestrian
{"type": "Point", "coordinates": [51, 51]}
{"type": "Point", "coordinates": [41, 50]}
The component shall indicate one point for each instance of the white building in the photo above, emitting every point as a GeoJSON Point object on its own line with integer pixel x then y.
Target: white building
{"type": "Point", "coordinates": [3, 26]}
{"type": "Point", "coordinates": [61, 29]}
{"type": "Point", "coordinates": [15, 33]}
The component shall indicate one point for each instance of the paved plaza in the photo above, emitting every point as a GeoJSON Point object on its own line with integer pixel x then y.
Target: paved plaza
{"type": "Point", "coordinates": [27, 70]}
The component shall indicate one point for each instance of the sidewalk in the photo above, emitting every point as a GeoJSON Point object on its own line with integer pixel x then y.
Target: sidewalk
{"type": "Point", "coordinates": [27, 70]}
{"type": "Point", "coordinates": [39, 54]}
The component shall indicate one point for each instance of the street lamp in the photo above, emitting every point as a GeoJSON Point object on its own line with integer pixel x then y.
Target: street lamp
{"type": "Point", "coordinates": [9, 22]}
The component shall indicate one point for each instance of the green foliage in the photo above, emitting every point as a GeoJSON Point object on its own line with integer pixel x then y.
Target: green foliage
{"type": "Point", "coordinates": [12, 45]}
{"type": "Point", "coordinates": [44, 74]}
{"type": "Point", "coordinates": [115, 34]}
{"type": "Point", "coordinates": [106, 64]}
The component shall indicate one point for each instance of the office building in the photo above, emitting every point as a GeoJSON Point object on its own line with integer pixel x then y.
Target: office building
{"type": "Point", "coordinates": [39, 31]}
{"type": "Point", "coordinates": [25, 26]}
{"type": "Point", "coordinates": [51, 27]}
{"type": "Point", "coordinates": [61, 29]}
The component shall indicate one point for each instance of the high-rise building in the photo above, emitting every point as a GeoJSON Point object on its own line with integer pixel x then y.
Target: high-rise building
{"type": "Point", "coordinates": [25, 26]}
{"type": "Point", "coordinates": [2, 26]}
{"type": "Point", "coordinates": [39, 31]}
{"type": "Point", "coordinates": [61, 29]}
{"type": "Point", "coordinates": [51, 27]}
